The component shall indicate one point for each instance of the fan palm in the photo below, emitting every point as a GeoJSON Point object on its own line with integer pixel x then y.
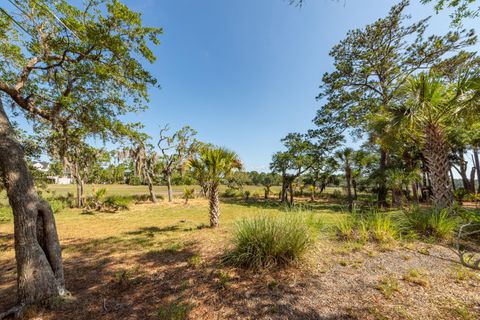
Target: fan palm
{"type": "Point", "coordinates": [214, 164]}
{"type": "Point", "coordinates": [431, 106]}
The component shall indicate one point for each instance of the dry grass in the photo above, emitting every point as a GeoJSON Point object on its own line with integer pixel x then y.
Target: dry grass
{"type": "Point", "coordinates": [160, 262]}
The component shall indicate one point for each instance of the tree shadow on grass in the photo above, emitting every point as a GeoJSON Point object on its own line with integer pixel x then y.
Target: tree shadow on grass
{"type": "Point", "coordinates": [125, 278]}
{"type": "Point", "coordinates": [153, 230]}
{"type": "Point", "coordinates": [297, 206]}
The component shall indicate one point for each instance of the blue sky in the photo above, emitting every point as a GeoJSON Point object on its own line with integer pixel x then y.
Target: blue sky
{"type": "Point", "coordinates": [244, 73]}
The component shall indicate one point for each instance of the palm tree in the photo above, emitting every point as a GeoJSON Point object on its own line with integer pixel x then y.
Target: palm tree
{"type": "Point", "coordinates": [214, 164]}
{"type": "Point", "coordinates": [432, 105]}
{"type": "Point", "coordinates": [345, 155]}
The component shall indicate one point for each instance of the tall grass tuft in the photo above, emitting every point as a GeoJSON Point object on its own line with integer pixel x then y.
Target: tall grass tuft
{"type": "Point", "coordinates": [264, 242]}
{"type": "Point", "coordinates": [365, 226]}
{"type": "Point", "coordinates": [429, 223]}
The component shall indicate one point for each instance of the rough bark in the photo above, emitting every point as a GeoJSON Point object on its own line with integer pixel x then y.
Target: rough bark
{"type": "Point", "coordinates": [436, 152]}
{"type": "Point", "coordinates": [477, 167]}
{"type": "Point", "coordinates": [354, 186]}
{"type": "Point", "coordinates": [415, 192]}
{"type": "Point", "coordinates": [453, 179]}
{"type": "Point", "coordinates": [397, 198]}
{"type": "Point", "coordinates": [462, 170]}
{"type": "Point", "coordinates": [348, 177]}
{"type": "Point", "coordinates": [290, 186]}
{"type": "Point", "coordinates": [267, 191]}
{"type": "Point", "coordinates": [472, 180]}
{"type": "Point", "coordinates": [214, 204]}
{"type": "Point", "coordinates": [80, 186]}
{"type": "Point", "coordinates": [37, 248]}
{"type": "Point", "coordinates": [283, 193]}
{"type": "Point", "coordinates": [153, 197]}
{"type": "Point", "coordinates": [382, 184]}
{"type": "Point", "coordinates": [169, 188]}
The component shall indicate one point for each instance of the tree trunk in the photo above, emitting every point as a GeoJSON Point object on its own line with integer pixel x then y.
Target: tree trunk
{"type": "Point", "coordinates": [291, 191]}
{"type": "Point", "coordinates": [348, 177]}
{"type": "Point", "coordinates": [169, 188]}
{"type": "Point", "coordinates": [214, 206]}
{"type": "Point", "coordinates": [37, 249]}
{"type": "Point", "coordinates": [472, 180]}
{"type": "Point", "coordinates": [397, 198]}
{"type": "Point", "coordinates": [477, 167]}
{"type": "Point", "coordinates": [80, 189]}
{"type": "Point", "coordinates": [415, 192]}
{"type": "Point", "coordinates": [283, 193]}
{"type": "Point", "coordinates": [382, 187]}
{"type": "Point", "coordinates": [323, 185]}
{"type": "Point", "coordinates": [453, 180]}
{"type": "Point", "coordinates": [462, 170]}
{"type": "Point", "coordinates": [354, 185]}
{"type": "Point", "coordinates": [267, 191]}
{"type": "Point", "coordinates": [204, 186]}
{"type": "Point", "coordinates": [153, 197]}
{"type": "Point", "coordinates": [436, 153]}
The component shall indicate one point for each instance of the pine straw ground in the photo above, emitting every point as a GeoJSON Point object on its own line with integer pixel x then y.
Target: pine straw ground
{"type": "Point", "coordinates": [157, 262]}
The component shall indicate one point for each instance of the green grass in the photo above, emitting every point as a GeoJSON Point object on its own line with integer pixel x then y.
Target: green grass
{"type": "Point", "coordinates": [264, 242]}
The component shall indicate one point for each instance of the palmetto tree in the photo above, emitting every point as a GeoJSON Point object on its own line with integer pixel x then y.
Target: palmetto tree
{"type": "Point", "coordinates": [214, 164]}
{"type": "Point", "coordinates": [431, 106]}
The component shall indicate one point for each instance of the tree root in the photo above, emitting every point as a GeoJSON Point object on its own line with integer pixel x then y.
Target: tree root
{"type": "Point", "coordinates": [16, 312]}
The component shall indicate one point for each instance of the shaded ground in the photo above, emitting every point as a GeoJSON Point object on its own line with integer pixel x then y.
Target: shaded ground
{"type": "Point", "coordinates": [157, 262]}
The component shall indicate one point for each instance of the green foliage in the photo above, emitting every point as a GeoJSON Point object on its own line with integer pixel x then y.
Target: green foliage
{"type": "Point", "coordinates": [388, 285]}
{"type": "Point", "coordinates": [429, 222]}
{"type": "Point", "coordinates": [174, 311]}
{"type": "Point", "coordinates": [462, 194]}
{"type": "Point", "coordinates": [134, 180]}
{"type": "Point", "coordinates": [462, 9]}
{"type": "Point", "coordinates": [6, 214]}
{"type": "Point", "coordinates": [57, 205]}
{"type": "Point", "coordinates": [99, 201]}
{"type": "Point", "coordinates": [367, 226]}
{"type": "Point", "coordinates": [337, 194]}
{"type": "Point", "coordinates": [231, 193]}
{"type": "Point", "coordinates": [415, 276]}
{"type": "Point", "coordinates": [264, 242]}
{"type": "Point", "coordinates": [116, 202]}
{"type": "Point", "coordinates": [213, 164]}
{"type": "Point", "coordinates": [188, 193]}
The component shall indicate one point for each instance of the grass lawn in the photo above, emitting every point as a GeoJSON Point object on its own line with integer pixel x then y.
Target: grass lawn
{"type": "Point", "coordinates": [160, 262]}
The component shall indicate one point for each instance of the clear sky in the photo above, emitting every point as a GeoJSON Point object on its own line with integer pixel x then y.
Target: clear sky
{"type": "Point", "coordinates": [244, 73]}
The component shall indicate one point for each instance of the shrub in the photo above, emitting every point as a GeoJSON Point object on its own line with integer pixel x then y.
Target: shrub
{"type": "Point", "coordinates": [264, 242]}
{"type": "Point", "coordinates": [365, 226]}
{"type": "Point", "coordinates": [345, 229]}
{"type": "Point", "coordinates": [188, 193]}
{"type": "Point", "coordinates": [462, 194]}
{"type": "Point", "coordinates": [134, 181]}
{"type": "Point", "coordinates": [6, 214]}
{"type": "Point", "coordinates": [382, 228]}
{"type": "Point", "coordinates": [337, 194]}
{"type": "Point", "coordinates": [141, 198]}
{"type": "Point", "coordinates": [117, 202]}
{"type": "Point", "coordinates": [429, 223]}
{"type": "Point", "coordinates": [231, 193]}
{"type": "Point", "coordinates": [174, 311]}
{"type": "Point", "coordinates": [57, 205]}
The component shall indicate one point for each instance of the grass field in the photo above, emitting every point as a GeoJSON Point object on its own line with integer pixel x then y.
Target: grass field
{"type": "Point", "coordinates": [159, 261]}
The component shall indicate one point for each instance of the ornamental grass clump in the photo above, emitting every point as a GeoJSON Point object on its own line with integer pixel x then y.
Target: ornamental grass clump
{"type": "Point", "coordinates": [264, 242]}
